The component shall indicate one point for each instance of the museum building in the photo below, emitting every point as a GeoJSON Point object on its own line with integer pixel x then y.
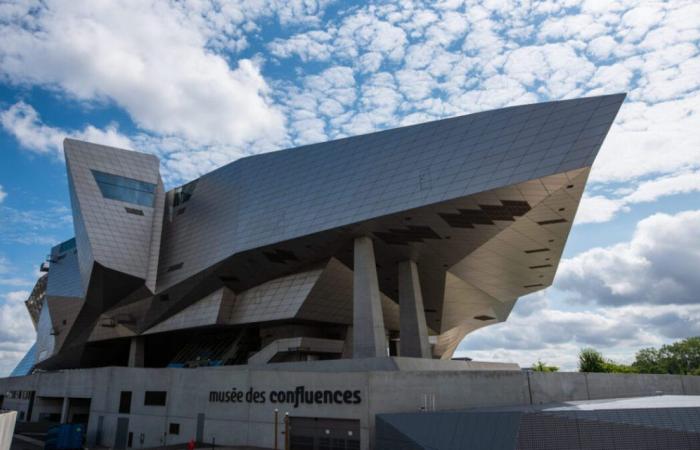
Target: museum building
{"type": "Point", "coordinates": [332, 281]}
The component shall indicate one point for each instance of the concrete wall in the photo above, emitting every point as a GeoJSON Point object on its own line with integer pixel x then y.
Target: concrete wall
{"type": "Point", "coordinates": [43, 406]}
{"type": "Point", "coordinates": [252, 423]}
{"type": "Point", "coordinates": [7, 428]}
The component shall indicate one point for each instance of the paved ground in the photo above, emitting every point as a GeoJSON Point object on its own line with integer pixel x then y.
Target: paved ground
{"type": "Point", "coordinates": [205, 447]}
{"type": "Point", "coordinates": [21, 443]}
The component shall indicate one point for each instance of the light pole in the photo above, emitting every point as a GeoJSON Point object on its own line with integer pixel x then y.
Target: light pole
{"type": "Point", "coordinates": [276, 412]}
{"type": "Point", "coordinates": [286, 431]}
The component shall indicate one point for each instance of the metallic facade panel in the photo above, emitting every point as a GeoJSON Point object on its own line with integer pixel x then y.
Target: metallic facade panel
{"type": "Point", "coordinates": [45, 339]}
{"type": "Point", "coordinates": [277, 196]}
{"type": "Point", "coordinates": [481, 203]}
{"type": "Point", "coordinates": [213, 309]}
{"type": "Point", "coordinates": [118, 239]}
{"type": "Point", "coordinates": [64, 275]}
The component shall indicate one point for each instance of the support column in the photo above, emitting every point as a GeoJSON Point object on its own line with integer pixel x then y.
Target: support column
{"type": "Point", "coordinates": [413, 329]}
{"type": "Point", "coordinates": [136, 352]}
{"type": "Point", "coordinates": [369, 339]}
{"type": "Point", "coordinates": [64, 410]}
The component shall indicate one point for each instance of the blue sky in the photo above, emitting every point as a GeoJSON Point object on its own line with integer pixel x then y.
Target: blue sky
{"type": "Point", "coordinates": [203, 83]}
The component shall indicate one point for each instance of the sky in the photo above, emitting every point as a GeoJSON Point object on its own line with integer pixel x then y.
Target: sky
{"type": "Point", "coordinates": [201, 83]}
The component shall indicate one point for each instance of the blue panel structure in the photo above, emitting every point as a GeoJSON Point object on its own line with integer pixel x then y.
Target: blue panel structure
{"type": "Point", "coordinates": [24, 367]}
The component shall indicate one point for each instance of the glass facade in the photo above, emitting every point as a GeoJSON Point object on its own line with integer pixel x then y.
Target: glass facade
{"type": "Point", "coordinates": [26, 364]}
{"type": "Point", "coordinates": [124, 189]}
{"type": "Point", "coordinates": [183, 193]}
{"type": "Point", "coordinates": [67, 245]}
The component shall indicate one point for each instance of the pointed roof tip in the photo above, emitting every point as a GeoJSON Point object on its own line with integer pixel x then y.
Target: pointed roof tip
{"type": "Point", "coordinates": [68, 141]}
{"type": "Point", "coordinates": [619, 96]}
{"type": "Point", "coordinates": [622, 95]}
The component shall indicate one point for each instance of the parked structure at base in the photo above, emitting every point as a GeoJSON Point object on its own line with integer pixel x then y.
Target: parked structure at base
{"type": "Point", "coordinates": [395, 243]}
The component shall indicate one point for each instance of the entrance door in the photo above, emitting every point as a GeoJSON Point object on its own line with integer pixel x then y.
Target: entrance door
{"type": "Point", "coordinates": [307, 433]}
{"type": "Point", "coordinates": [200, 427]}
{"type": "Point", "coordinates": [122, 433]}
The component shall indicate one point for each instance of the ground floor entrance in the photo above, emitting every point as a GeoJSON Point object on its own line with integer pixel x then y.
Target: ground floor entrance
{"type": "Point", "coordinates": [309, 433]}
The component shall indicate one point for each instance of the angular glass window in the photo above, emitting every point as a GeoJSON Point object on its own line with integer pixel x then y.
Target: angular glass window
{"type": "Point", "coordinates": [155, 398]}
{"type": "Point", "coordinates": [67, 245]}
{"type": "Point", "coordinates": [183, 193]}
{"type": "Point", "coordinates": [125, 189]}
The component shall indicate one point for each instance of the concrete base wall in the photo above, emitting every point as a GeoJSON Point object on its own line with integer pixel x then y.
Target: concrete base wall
{"type": "Point", "coordinates": [379, 391]}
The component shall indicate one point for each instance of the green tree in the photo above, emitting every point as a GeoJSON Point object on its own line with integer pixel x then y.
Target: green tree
{"type": "Point", "coordinates": [539, 366]}
{"type": "Point", "coordinates": [648, 360]}
{"type": "Point", "coordinates": [613, 367]}
{"type": "Point", "coordinates": [591, 360]}
{"type": "Point", "coordinates": [682, 357]}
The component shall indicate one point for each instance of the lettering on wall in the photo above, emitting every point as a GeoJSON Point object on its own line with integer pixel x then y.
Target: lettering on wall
{"type": "Point", "coordinates": [18, 395]}
{"type": "Point", "coordinates": [299, 396]}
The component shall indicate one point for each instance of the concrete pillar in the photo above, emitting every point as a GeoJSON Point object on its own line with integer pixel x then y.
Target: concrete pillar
{"type": "Point", "coordinates": [413, 329]}
{"type": "Point", "coordinates": [136, 352]}
{"type": "Point", "coordinates": [369, 339]}
{"type": "Point", "coordinates": [65, 409]}
{"type": "Point", "coordinates": [347, 345]}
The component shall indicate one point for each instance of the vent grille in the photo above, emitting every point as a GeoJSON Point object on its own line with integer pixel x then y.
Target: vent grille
{"type": "Point", "coordinates": [508, 210]}
{"type": "Point", "coordinates": [537, 250]}
{"type": "Point", "coordinates": [549, 222]}
{"type": "Point", "coordinates": [281, 256]}
{"type": "Point", "coordinates": [413, 233]}
{"type": "Point", "coordinates": [484, 318]}
{"type": "Point", "coordinates": [134, 211]}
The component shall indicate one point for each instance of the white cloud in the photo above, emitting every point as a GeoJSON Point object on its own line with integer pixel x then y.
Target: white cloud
{"type": "Point", "coordinates": [16, 296]}
{"type": "Point", "coordinates": [559, 64]}
{"type": "Point", "coordinates": [678, 183]}
{"type": "Point", "coordinates": [657, 266]}
{"type": "Point", "coordinates": [601, 208]}
{"type": "Point", "coordinates": [365, 30]}
{"type": "Point", "coordinates": [11, 281]}
{"type": "Point", "coordinates": [311, 46]}
{"type": "Point", "coordinates": [16, 330]}
{"type": "Point", "coordinates": [601, 47]}
{"type": "Point", "coordinates": [581, 26]}
{"type": "Point", "coordinates": [495, 55]}
{"type": "Point", "coordinates": [3, 194]}
{"type": "Point", "coordinates": [23, 122]}
{"type": "Point", "coordinates": [597, 209]}
{"type": "Point", "coordinates": [33, 226]}
{"type": "Point", "coordinates": [540, 328]}
{"type": "Point", "coordinates": [149, 58]}
{"type": "Point", "coordinates": [651, 139]}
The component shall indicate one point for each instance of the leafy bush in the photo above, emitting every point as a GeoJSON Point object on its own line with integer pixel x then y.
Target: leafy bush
{"type": "Point", "coordinates": [682, 357]}
{"type": "Point", "coordinates": [539, 366]}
